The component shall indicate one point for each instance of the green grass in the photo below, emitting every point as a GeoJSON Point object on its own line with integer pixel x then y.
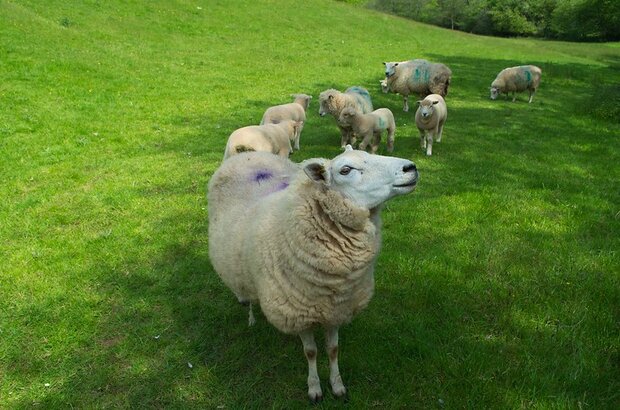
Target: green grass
{"type": "Point", "coordinates": [498, 285]}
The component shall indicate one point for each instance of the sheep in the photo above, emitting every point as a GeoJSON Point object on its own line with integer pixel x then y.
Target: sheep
{"type": "Point", "coordinates": [302, 239]}
{"type": "Point", "coordinates": [295, 111]}
{"type": "Point", "coordinates": [430, 118]}
{"type": "Point", "coordinates": [274, 138]}
{"type": "Point", "coordinates": [516, 79]}
{"type": "Point", "coordinates": [333, 102]}
{"type": "Point", "coordinates": [416, 76]}
{"type": "Point", "coordinates": [370, 125]}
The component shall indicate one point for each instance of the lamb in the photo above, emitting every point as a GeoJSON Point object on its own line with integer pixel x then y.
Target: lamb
{"type": "Point", "coordinates": [274, 138]}
{"type": "Point", "coordinates": [370, 126]}
{"type": "Point", "coordinates": [416, 77]}
{"type": "Point", "coordinates": [516, 79]}
{"type": "Point", "coordinates": [302, 240]}
{"type": "Point", "coordinates": [430, 119]}
{"type": "Point", "coordinates": [333, 102]}
{"type": "Point", "coordinates": [295, 111]}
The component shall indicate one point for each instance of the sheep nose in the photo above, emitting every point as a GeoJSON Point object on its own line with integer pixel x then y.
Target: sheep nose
{"type": "Point", "coordinates": [410, 167]}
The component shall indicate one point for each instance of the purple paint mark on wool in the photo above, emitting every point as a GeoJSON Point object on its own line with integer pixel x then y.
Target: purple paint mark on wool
{"type": "Point", "coordinates": [262, 175]}
{"type": "Point", "coordinates": [276, 188]}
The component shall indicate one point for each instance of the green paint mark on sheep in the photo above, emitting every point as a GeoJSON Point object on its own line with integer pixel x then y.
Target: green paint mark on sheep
{"type": "Point", "coordinates": [421, 74]}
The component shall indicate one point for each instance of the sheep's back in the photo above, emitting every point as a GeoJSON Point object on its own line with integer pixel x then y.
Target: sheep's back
{"type": "Point", "coordinates": [283, 112]}
{"type": "Point", "coordinates": [360, 98]}
{"type": "Point", "coordinates": [518, 78]}
{"type": "Point", "coordinates": [246, 178]}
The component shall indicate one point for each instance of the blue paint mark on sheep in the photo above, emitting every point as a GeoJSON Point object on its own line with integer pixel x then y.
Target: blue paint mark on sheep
{"type": "Point", "coordinates": [382, 123]}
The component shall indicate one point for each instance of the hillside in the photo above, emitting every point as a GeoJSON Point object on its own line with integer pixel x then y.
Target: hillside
{"type": "Point", "coordinates": [498, 284]}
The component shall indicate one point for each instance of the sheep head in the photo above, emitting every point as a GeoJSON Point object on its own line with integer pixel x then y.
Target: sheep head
{"type": "Point", "coordinates": [494, 93]}
{"type": "Point", "coordinates": [365, 179]}
{"type": "Point", "coordinates": [390, 69]}
{"type": "Point", "coordinates": [302, 99]}
{"type": "Point", "coordinates": [326, 101]}
{"type": "Point", "coordinates": [347, 116]}
{"type": "Point", "coordinates": [427, 108]}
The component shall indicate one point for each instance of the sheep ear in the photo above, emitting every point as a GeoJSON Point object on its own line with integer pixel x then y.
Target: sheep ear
{"type": "Point", "coordinates": [348, 148]}
{"type": "Point", "coordinates": [419, 102]}
{"type": "Point", "coordinates": [316, 170]}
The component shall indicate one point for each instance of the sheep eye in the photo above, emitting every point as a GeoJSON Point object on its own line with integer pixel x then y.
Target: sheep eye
{"type": "Point", "coordinates": [345, 170]}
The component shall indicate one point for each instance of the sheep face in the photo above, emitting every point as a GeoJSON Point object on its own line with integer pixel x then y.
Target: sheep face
{"type": "Point", "coordinates": [325, 102]}
{"type": "Point", "coordinates": [427, 108]}
{"type": "Point", "coordinates": [494, 93]}
{"type": "Point", "coordinates": [390, 69]}
{"type": "Point", "coordinates": [365, 179]}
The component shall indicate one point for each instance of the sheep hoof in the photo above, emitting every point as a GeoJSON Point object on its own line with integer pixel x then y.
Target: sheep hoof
{"type": "Point", "coordinates": [339, 391]}
{"type": "Point", "coordinates": [315, 396]}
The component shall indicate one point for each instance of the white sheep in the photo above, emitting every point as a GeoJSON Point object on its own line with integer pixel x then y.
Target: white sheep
{"type": "Point", "coordinates": [274, 138]}
{"type": "Point", "coordinates": [430, 119]}
{"type": "Point", "coordinates": [370, 126]}
{"type": "Point", "coordinates": [333, 102]}
{"type": "Point", "coordinates": [295, 111]}
{"type": "Point", "coordinates": [416, 77]}
{"type": "Point", "coordinates": [302, 240]}
{"type": "Point", "coordinates": [516, 79]}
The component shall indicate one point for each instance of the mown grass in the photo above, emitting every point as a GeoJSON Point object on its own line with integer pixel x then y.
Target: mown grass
{"type": "Point", "coordinates": [498, 283]}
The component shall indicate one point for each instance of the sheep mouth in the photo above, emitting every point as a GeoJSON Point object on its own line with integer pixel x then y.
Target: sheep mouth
{"type": "Point", "coordinates": [409, 184]}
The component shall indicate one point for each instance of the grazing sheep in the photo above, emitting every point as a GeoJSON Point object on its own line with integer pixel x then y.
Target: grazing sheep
{"type": "Point", "coordinates": [333, 102]}
{"type": "Point", "coordinates": [516, 79]}
{"type": "Point", "coordinates": [430, 118]}
{"type": "Point", "coordinates": [416, 77]}
{"type": "Point", "coordinates": [274, 138]}
{"type": "Point", "coordinates": [302, 240]}
{"type": "Point", "coordinates": [295, 111]}
{"type": "Point", "coordinates": [370, 126]}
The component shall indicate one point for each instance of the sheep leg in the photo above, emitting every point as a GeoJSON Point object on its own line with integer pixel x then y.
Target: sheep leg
{"type": "Point", "coordinates": [314, 384]}
{"type": "Point", "coordinates": [366, 141]}
{"type": "Point", "coordinates": [532, 92]}
{"type": "Point", "coordinates": [345, 137]}
{"type": "Point", "coordinates": [374, 145]}
{"type": "Point", "coordinates": [331, 340]}
{"type": "Point", "coordinates": [298, 135]}
{"type": "Point", "coordinates": [422, 140]}
{"type": "Point", "coordinates": [390, 139]}
{"type": "Point", "coordinates": [251, 319]}
{"type": "Point", "coordinates": [439, 132]}
{"type": "Point", "coordinates": [405, 103]}
{"type": "Point", "coordinates": [514, 96]}
{"type": "Point", "coordinates": [429, 144]}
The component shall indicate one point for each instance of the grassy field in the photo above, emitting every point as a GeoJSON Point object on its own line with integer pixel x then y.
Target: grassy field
{"type": "Point", "coordinates": [498, 285]}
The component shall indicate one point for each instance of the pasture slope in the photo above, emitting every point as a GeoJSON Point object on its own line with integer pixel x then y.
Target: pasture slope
{"type": "Point", "coordinates": [498, 284]}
